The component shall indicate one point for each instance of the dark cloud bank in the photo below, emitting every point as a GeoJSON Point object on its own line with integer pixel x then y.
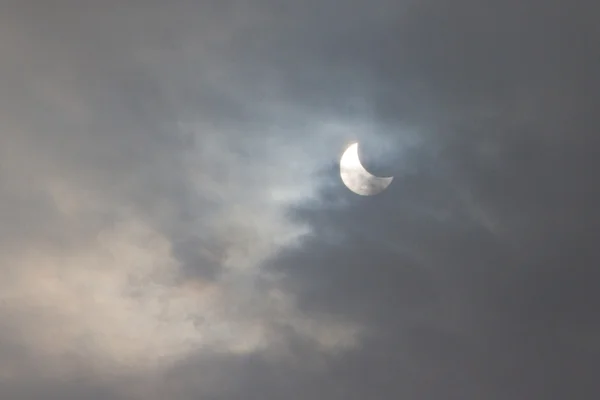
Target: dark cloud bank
{"type": "Point", "coordinates": [474, 276]}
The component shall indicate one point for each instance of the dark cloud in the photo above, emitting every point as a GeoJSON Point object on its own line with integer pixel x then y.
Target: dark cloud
{"type": "Point", "coordinates": [174, 225]}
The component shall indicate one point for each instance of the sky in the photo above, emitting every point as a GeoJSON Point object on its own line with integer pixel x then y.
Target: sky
{"type": "Point", "coordinates": [173, 224]}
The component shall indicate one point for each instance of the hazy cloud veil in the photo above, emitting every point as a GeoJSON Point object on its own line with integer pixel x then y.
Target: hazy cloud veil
{"type": "Point", "coordinates": [173, 225]}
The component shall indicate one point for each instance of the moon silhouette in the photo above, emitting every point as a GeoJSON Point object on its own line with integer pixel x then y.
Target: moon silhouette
{"type": "Point", "coordinates": [357, 178]}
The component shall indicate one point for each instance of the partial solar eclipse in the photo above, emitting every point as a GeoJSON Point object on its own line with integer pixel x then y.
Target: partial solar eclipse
{"type": "Point", "coordinates": [357, 178]}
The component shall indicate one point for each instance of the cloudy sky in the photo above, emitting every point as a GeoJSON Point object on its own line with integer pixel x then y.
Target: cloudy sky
{"type": "Point", "coordinates": [173, 225]}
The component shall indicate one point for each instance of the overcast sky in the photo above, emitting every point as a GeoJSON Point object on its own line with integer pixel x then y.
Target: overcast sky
{"type": "Point", "coordinates": [173, 224]}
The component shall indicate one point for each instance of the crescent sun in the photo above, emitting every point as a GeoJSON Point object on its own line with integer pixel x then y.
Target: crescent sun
{"type": "Point", "coordinates": [357, 178]}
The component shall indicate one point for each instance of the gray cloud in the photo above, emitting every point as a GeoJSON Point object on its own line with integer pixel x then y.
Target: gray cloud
{"type": "Point", "coordinates": [173, 224]}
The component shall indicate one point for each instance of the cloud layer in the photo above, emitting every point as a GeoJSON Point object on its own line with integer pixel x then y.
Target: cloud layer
{"type": "Point", "coordinates": [173, 224]}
